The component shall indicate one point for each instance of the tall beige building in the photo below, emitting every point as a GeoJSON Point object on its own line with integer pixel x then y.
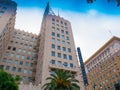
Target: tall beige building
{"type": "Point", "coordinates": [35, 57]}
{"type": "Point", "coordinates": [7, 22]}
{"type": "Point", "coordinates": [56, 48]}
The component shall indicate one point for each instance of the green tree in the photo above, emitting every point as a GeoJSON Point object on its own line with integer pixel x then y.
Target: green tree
{"type": "Point", "coordinates": [8, 82]}
{"type": "Point", "coordinates": [61, 80]}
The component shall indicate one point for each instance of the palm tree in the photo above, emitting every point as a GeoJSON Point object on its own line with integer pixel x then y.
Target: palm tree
{"type": "Point", "coordinates": [7, 81]}
{"type": "Point", "coordinates": [61, 80]}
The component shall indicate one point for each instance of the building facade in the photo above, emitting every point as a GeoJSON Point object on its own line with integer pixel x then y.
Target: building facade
{"type": "Point", "coordinates": [103, 67]}
{"type": "Point", "coordinates": [7, 22]}
{"type": "Point", "coordinates": [35, 57]}
{"type": "Point", "coordinates": [56, 48]}
{"type": "Point", "coordinates": [20, 56]}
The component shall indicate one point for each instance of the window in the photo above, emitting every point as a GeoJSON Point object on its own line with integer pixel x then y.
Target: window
{"type": "Point", "coordinates": [12, 54]}
{"type": "Point", "coordinates": [28, 57]}
{"type": "Point", "coordinates": [14, 69]}
{"type": "Point", "coordinates": [69, 50]}
{"type": "Point", "coordinates": [64, 49]}
{"type": "Point", "coordinates": [4, 60]}
{"type": "Point", "coordinates": [9, 61]}
{"type": "Point", "coordinates": [21, 63]}
{"type": "Point", "coordinates": [29, 79]}
{"type": "Point", "coordinates": [58, 47]}
{"type": "Point", "coordinates": [14, 49]}
{"type": "Point", "coordinates": [53, 62]}
{"type": "Point", "coordinates": [31, 72]}
{"type": "Point", "coordinates": [58, 35]}
{"type": "Point", "coordinates": [70, 57]}
{"type": "Point", "coordinates": [53, 19]}
{"type": "Point", "coordinates": [64, 56]}
{"type": "Point", "coordinates": [71, 65]}
{"type": "Point", "coordinates": [30, 46]}
{"type": "Point", "coordinates": [16, 62]}
{"type": "Point", "coordinates": [61, 22]}
{"type": "Point", "coordinates": [7, 68]}
{"type": "Point", "coordinates": [29, 52]}
{"type": "Point", "coordinates": [19, 50]}
{"type": "Point", "coordinates": [53, 53]}
{"type": "Point", "coordinates": [59, 63]}
{"type": "Point", "coordinates": [31, 64]}
{"type": "Point", "coordinates": [53, 34]}
{"type": "Point", "coordinates": [53, 45]}
{"type": "Point", "coordinates": [27, 63]}
{"type": "Point", "coordinates": [62, 31]}
{"type": "Point", "coordinates": [65, 24]}
{"type": "Point", "coordinates": [22, 57]}
{"type": "Point", "coordinates": [63, 37]}
{"type": "Point", "coordinates": [59, 55]}
{"type": "Point", "coordinates": [17, 56]}
{"type": "Point", "coordinates": [7, 54]}
{"type": "Point", "coordinates": [67, 32]}
{"type": "Point", "coordinates": [24, 78]}
{"type": "Point", "coordinates": [63, 42]}
{"type": "Point", "coordinates": [53, 39]}
{"type": "Point", "coordinates": [25, 71]}
{"type": "Point", "coordinates": [9, 47]}
{"type": "Point", "coordinates": [67, 38]}
{"type": "Point", "coordinates": [68, 43]}
{"type": "Point", "coordinates": [19, 69]}
{"type": "Point", "coordinates": [58, 41]}
{"type": "Point", "coordinates": [24, 51]}
{"type": "Point", "coordinates": [65, 64]}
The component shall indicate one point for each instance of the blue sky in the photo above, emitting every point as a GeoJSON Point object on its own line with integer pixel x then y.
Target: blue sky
{"type": "Point", "coordinates": [91, 23]}
{"type": "Point", "coordinates": [74, 5]}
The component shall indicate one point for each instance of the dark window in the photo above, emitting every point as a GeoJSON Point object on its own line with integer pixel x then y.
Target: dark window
{"type": "Point", "coordinates": [53, 45]}
{"type": "Point", "coordinates": [59, 55]}
{"type": "Point", "coordinates": [14, 69]}
{"type": "Point", "coordinates": [58, 47]}
{"type": "Point", "coordinates": [70, 57]}
{"type": "Point", "coordinates": [53, 62]}
{"type": "Point", "coordinates": [14, 49]}
{"type": "Point", "coordinates": [9, 47]}
{"type": "Point", "coordinates": [53, 53]}
{"type": "Point", "coordinates": [27, 63]}
{"type": "Point", "coordinates": [64, 56]}
{"type": "Point", "coordinates": [67, 32]}
{"type": "Point", "coordinates": [71, 65]}
{"type": "Point", "coordinates": [64, 49]}
{"type": "Point", "coordinates": [53, 34]}
{"type": "Point", "coordinates": [7, 68]}
{"type": "Point", "coordinates": [65, 64]}
{"type": "Point", "coordinates": [69, 50]}
{"type": "Point", "coordinates": [21, 63]}
{"type": "Point", "coordinates": [19, 69]}
{"type": "Point", "coordinates": [58, 35]}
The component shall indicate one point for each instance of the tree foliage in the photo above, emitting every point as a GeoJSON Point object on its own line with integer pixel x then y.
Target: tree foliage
{"type": "Point", "coordinates": [118, 1]}
{"type": "Point", "coordinates": [8, 82]}
{"type": "Point", "coordinates": [61, 80]}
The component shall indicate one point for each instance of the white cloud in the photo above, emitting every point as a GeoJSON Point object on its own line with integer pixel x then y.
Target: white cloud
{"type": "Point", "coordinates": [91, 29]}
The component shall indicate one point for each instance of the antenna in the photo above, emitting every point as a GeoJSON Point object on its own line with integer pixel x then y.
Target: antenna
{"type": "Point", "coordinates": [58, 12]}
{"type": "Point", "coordinates": [110, 33]}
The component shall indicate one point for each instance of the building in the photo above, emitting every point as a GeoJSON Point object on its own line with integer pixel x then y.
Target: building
{"type": "Point", "coordinates": [35, 57]}
{"type": "Point", "coordinates": [56, 48]}
{"type": "Point", "coordinates": [7, 22]}
{"type": "Point", "coordinates": [20, 56]}
{"type": "Point", "coordinates": [103, 67]}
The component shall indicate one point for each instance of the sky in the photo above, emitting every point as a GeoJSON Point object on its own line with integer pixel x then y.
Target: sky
{"type": "Point", "coordinates": [92, 24]}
